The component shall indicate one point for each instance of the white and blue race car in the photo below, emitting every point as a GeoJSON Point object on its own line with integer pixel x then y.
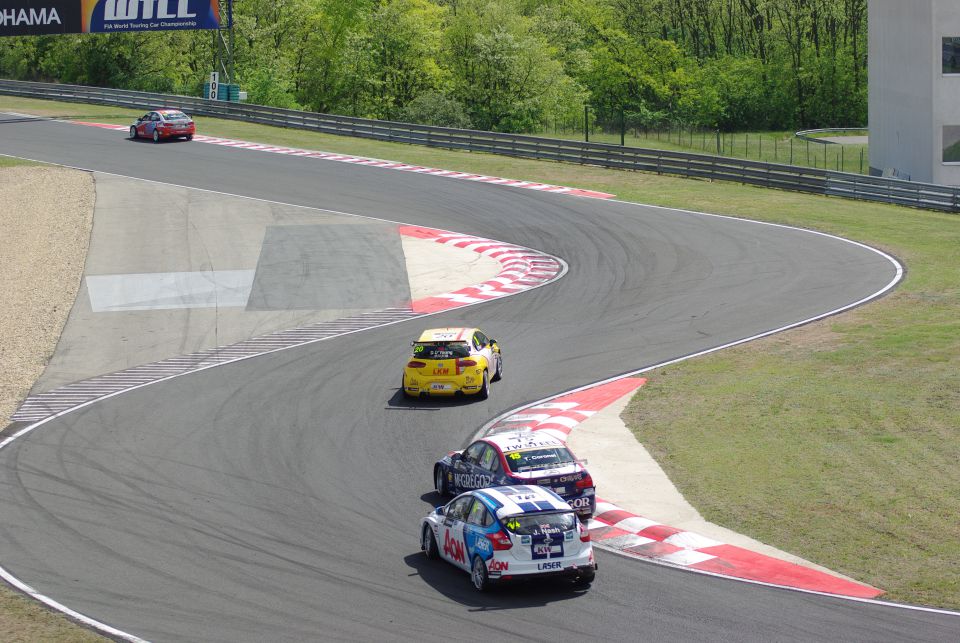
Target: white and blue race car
{"type": "Point", "coordinates": [518, 458]}
{"type": "Point", "coordinates": [505, 533]}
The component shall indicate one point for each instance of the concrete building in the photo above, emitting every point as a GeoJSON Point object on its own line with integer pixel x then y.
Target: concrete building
{"type": "Point", "coordinates": [914, 90]}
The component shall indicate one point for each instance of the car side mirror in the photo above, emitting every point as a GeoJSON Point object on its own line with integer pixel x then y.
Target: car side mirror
{"type": "Point", "coordinates": [583, 462]}
{"type": "Point", "coordinates": [456, 457]}
{"type": "Point", "coordinates": [441, 510]}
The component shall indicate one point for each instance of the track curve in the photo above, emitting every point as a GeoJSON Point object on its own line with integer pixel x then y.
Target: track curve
{"type": "Point", "coordinates": [278, 498]}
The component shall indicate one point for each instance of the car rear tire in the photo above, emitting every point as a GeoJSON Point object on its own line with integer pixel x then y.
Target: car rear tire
{"type": "Point", "coordinates": [440, 482]}
{"type": "Point", "coordinates": [478, 574]}
{"type": "Point", "coordinates": [485, 390]}
{"type": "Point", "coordinates": [189, 137]}
{"type": "Point", "coordinates": [586, 579]}
{"type": "Point", "coordinates": [403, 386]}
{"type": "Point", "coordinates": [133, 132]}
{"type": "Point", "coordinates": [428, 543]}
{"type": "Point", "coordinates": [499, 373]}
{"type": "Point", "coordinates": [156, 136]}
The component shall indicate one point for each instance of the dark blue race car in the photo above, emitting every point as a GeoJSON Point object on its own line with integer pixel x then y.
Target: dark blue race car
{"type": "Point", "coordinates": [518, 458]}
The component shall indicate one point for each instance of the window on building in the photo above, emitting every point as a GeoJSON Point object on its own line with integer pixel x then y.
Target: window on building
{"type": "Point", "coordinates": [951, 144]}
{"type": "Point", "coordinates": [951, 55]}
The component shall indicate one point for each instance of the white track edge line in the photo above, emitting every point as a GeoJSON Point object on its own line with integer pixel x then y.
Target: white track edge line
{"type": "Point", "coordinates": [86, 620]}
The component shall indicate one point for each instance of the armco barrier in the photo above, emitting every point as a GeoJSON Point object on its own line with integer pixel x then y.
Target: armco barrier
{"type": "Point", "coordinates": [717, 168]}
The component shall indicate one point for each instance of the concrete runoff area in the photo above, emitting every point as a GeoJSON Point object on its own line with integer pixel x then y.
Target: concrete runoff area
{"type": "Point", "coordinates": [171, 271]}
{"type": "Point", "coordinates": [320, 267]}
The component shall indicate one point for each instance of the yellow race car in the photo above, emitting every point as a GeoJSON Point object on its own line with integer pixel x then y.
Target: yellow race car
{"type": "Point", "coordinates": [452, 361]}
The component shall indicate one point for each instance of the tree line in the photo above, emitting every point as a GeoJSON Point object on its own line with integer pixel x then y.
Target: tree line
{"type": "Point", "coordinates": [504, 65]}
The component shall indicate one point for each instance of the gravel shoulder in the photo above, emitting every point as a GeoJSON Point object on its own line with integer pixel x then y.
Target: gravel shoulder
{"type": "Point", "coordinates": [46, 214]}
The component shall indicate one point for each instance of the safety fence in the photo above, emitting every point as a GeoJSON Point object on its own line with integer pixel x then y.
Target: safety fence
{"type": "Point", "coordinates": [703, 166]}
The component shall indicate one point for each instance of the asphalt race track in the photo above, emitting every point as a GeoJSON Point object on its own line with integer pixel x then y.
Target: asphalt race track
{"type": "Point", "coordinates": [278, 498]}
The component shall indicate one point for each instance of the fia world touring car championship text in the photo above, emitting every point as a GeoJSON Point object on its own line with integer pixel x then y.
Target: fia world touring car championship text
{"type": "Point", "coordinates": [120, 26]}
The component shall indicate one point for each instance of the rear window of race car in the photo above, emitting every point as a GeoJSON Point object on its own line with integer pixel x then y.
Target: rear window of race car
{"type": "Point", "coordinates": [175, 116]}
{"type": "Point", "coordinates": [540, 524]}
{"type": "Point", "coordinates": [441, 350]}
{"type": "Point", "coordinates": [538, 459]}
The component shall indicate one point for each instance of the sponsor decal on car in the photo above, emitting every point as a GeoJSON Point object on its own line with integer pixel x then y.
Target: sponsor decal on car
{"type": "Point", "coordinates": [580, 503]}
{"type": "Point", "coordinates": [482, 546]}
{"type": "Point", "coordinates": [551, 565]}
{"type": "Point", "coordinates": [547, 551]}
{"type": "Point", "coordinates": [472, 480]}
{"type": "Point", "coordinates": [495, 566]}
{"type": "Point", "coordinates": [453, 548]}
{"type": "Point", "coordinates": [532, 444]}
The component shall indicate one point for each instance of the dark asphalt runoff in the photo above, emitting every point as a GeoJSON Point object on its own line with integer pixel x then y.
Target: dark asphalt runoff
{"type": "Point", "coordinates": [279, 498]}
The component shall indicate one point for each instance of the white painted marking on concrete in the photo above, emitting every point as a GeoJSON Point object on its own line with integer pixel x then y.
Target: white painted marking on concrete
{"type": "Point", "coordinates": [691, 540]}
{"type": "Point", "coordinates": [169, 290]}
{"type": "Point", "coordinates": [635, 523]}
{"type": "Point", "coordinates": [686, 557]}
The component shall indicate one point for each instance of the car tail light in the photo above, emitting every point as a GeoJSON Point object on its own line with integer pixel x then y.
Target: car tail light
{"type": "Point", "coordinates": [416, 364]}
{"type": "Point", "coordinates": [465, 363]}
{"type": "Point", "coordinates": [586, 482]}
{"type": "Point", "coordinates": [584, 533]}
{"type": "Point", "coordinates": [500, 541]}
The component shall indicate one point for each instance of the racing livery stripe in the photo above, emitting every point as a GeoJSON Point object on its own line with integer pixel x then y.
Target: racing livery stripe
{"type": "Point", "coordinates": [618, 530]}
{"type": "Point", "coordinates": [388, 165]}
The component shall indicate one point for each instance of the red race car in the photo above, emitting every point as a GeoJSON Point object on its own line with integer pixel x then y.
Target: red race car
{"type": "Point", "coordinates": [163, 123]}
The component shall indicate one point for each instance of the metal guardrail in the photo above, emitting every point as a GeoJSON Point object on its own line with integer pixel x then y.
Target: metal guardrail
{"type": "Point", "coordinates": [716, 168]}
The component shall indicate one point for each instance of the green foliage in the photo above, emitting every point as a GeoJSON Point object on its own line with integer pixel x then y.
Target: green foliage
{"type": "Point", "coordinates": [510, 65]}
{"type": "Point", "coordinates": [434, 108]}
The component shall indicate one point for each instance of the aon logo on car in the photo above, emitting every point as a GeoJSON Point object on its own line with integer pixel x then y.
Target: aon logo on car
{"type": "Point", "coordinates": [453, 548]}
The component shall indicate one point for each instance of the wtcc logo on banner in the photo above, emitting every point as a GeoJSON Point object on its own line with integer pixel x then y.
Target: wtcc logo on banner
{"type": "Point", "coordinates": [149, 15]}
{"type": "Point", "coordinates": [39, 17]}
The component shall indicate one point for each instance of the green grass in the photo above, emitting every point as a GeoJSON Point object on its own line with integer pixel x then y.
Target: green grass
{"type": "Point", "coordinates": [9, 161]}
{"type": "Point", "coordinates": [838, 441]}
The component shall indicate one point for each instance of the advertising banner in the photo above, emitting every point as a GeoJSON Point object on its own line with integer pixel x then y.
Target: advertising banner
{"type": "Point", "coordinates": [37, 17]}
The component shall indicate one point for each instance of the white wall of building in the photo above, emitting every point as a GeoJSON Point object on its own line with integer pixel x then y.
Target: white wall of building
{"type": "Point", "coordinates": [900, 77]}
{"type": "Point", "coordinates": [910, 98]}
{"type": "Point", "coordinates": [946, 89]}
